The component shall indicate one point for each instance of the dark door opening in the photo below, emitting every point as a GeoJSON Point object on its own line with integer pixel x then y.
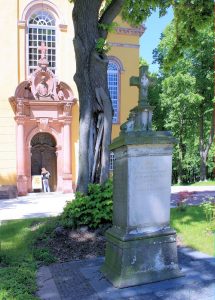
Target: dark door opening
{"type": "Point", "coordinates": [43, 154]}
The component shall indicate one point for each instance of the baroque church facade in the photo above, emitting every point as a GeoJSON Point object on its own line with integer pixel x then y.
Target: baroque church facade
{"type": "Point", "coordinates": [39, 107]}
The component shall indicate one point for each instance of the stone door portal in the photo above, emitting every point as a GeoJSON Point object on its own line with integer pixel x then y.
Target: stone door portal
{"type": "Point", "coordinates": [43, 154]}
{"type": "Point", "coordinates": [43, 114]}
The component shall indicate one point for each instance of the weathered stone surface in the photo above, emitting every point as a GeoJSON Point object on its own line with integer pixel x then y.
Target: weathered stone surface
{"type": "Point", "coordinates": [142, 138]}
{"type": "Point", "coordinates": [141, 246]}
{"type": "Point", "coordinates": [142, 187]}
{"type": "Point", "coordinates": [138, 259]}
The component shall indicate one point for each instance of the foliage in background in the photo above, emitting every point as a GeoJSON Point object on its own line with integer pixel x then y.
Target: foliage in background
{"type": "Point", "coordinates": [143, 62]}
{"type": "Point", "coordinates": [102, 46]}
{"type": "Point", "coordinates": [180, 101]}
{"type": "Point", "coordinates": [92, 210]}
{"type": "Point", "coordinates": [209, 210]}
{"type": "Point", "coordinates": [92, 20]}
{"type": "Point", "coordinates": [186, 99]}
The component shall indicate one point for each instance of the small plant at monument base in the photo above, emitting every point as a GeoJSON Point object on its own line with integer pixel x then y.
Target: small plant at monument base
{"type": "Point", "coordinates": [93, 210]}
{"type": "Point", "coordinates": [183, 197]}
{"type": "Point", "coordinates": [209, 211]}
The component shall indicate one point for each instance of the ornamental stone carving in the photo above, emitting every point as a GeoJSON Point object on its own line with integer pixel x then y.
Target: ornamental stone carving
{"type": "Point", "coordinates": [43, 85]}
{"type": "Point", "coordinates": [43, 105]}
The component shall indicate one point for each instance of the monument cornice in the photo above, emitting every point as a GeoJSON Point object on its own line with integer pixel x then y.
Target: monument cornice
{"type": "Point", "coordinates": [122, 234]}
{"type": "Point", "coordinates": [140, 138]}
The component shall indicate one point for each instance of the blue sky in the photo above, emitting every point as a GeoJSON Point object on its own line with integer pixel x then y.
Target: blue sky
{"type": "Point", "coordinates": [150, 39]}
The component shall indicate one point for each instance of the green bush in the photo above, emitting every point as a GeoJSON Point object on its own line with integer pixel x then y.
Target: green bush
{"type": "Point", "coordinates": [92, 210]}
{"type": "Point", "coordinates": [44, 255]}
{"type": "Point", "coordinates": [208, 209]}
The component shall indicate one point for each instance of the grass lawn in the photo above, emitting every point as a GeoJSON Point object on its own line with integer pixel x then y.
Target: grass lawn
{"type": "Point", "coordinates": [200, 183]}
{"type": "Point", "coordinates": [193, 230]}
{"type": "Point", "coordinates": [203, 183]}
{"type": "Point", "coordinates": [19, 259]}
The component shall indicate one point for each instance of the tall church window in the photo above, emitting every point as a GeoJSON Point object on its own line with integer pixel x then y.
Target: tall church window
{"type": "Point", "coordinates": [113, 86]}
{"type": "Point", "coordinates": [41, 28]}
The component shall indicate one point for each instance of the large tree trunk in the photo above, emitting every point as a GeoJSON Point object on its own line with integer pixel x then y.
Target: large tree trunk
{"type": "Point", "coordinates": [204, 146]}
{"type": "Point", "coordinates": [95, 102]}
{"type": "Point", "coordinates": [180, 153]}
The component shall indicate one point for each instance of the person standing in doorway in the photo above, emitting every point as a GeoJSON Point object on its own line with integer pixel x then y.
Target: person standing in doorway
{"type": "Point", "coordinates": [45, 179]}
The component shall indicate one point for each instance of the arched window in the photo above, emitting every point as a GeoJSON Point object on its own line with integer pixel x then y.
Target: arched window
{"type": "Point", "coordinates": [113, 86]}
{"type": "Point", "coordinates": [41, 28]}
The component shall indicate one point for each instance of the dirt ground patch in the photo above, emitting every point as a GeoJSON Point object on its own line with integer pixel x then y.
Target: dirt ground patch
{"type": "Point", "coordinates": [67, 244]}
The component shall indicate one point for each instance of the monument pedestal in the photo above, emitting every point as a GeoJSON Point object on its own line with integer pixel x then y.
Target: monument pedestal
{"type": "Point", "coordinates": [140, 258]}
{"type": "Point", "coordinates": [141, 246]}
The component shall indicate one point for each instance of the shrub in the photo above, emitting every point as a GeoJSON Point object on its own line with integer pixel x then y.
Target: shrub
{"type": "Point", "coordinates": [44, 255]}
{"type": "Point", "coordinates": [92, 210]}
{"type": "Point", "coordinates": [209, 209]}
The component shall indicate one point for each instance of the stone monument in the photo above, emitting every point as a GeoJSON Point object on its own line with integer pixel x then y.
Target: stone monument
{"type": "Point", "coordinates": [141, 246]}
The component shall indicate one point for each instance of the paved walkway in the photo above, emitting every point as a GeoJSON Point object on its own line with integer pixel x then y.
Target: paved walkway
{"type": "Point", "coordinates": [82, 280]}
{"type": "Point", "coordinates": [52, 204]}
{"type": "Point", "coordinates": [197, 194]}
{"type": "Point", "coordinates": [34, 205]}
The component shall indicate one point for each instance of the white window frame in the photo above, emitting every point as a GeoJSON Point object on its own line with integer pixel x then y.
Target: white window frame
{"type": "Point", "coordinates": [112, 158]}
{"type": "Point", "coordinates": [114, 89]}
{"type": "Point", "coordinates": [38, 41]}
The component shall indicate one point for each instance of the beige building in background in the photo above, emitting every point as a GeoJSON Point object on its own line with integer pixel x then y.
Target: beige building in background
{"type": "Point", "coordinates": [24, 24]}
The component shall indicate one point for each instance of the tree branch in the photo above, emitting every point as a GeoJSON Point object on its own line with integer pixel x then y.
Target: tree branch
{"type": "Point", "coordinates": [110, 14]}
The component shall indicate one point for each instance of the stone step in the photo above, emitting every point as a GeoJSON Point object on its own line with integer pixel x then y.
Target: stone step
{"type": "Point", "coordinates": [8, 192]}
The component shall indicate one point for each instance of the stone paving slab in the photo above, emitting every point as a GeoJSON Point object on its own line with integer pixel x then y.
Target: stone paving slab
{"type": "Point", "coordinates": [82, 280]}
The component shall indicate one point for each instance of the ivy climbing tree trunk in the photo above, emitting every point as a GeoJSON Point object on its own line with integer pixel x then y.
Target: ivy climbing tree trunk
{"type": "Point", "coordinates": [91, 80]}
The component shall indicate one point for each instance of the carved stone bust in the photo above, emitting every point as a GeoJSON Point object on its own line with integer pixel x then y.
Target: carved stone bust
{"type": "Point", "coordinates": [42, 88]}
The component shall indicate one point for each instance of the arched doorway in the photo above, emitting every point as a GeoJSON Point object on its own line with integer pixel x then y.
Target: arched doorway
{"type": "Point", "coordinates": [43, 154]}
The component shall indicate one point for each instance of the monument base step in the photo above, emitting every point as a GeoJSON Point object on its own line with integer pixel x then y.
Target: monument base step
{"type": "Point", "coordinates": [8, 191]}
{"type": "Point", "coordinates": [140, 260]}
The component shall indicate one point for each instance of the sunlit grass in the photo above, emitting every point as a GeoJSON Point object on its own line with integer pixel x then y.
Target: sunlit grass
{"type": "Point", "coordinates": [204, 183]}
{"type": "Point", "coordinates": [18, 257]}
{"type": "Point", "coordinates": [199, 183]}
{"type": "Point", "coordinates": [17, 262]}
{"type": "Point", "coordinates": [193, 229]}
